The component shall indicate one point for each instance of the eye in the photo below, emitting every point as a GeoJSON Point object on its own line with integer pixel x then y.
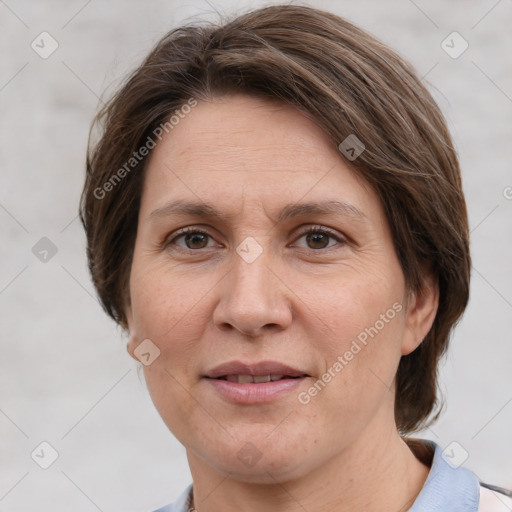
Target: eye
{"type": "Point", "coordinates": [317, 237]}
{"type": "Point", "coordinates": [194, 238]}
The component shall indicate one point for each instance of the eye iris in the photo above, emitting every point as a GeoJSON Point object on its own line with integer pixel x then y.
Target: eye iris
{"type": "Point", "coordinates": [194, 237]}
{"type": "Point", "coordinates": [317, 238]}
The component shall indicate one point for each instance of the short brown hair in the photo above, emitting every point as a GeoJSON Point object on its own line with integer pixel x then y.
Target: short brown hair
{"type": "Point", "coordinates": [349, 83]}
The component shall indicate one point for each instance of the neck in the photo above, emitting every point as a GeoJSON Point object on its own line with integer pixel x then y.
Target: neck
{"type": "Point", "coordinates": [367, 476]}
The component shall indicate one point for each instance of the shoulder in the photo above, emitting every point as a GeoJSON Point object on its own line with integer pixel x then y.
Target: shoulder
{"type": "Point", "coordinates": [494, 499]}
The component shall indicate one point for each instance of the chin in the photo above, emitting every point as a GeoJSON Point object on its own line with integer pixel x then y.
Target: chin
{"type": "Point", "coordinates": [259, 464]}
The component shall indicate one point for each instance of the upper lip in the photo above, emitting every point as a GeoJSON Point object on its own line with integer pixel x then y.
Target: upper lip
{"type": "Point", "coordinates": [255, 369]}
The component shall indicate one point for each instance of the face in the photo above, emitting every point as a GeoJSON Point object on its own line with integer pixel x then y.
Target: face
{"type": "Point", "coordinates": [265, 279]}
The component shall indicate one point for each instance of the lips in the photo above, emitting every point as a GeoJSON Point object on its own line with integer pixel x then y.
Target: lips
{"type": "Point", "coordinates": [264, 371]}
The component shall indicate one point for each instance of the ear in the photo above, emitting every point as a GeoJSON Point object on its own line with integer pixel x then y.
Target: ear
{"type": "Point", "coordinates": [132, 342]}
{"type": "Point", "coordinates": [420, 314]}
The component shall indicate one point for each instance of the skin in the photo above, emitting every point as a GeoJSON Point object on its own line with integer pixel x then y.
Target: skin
{"type": "Point", "coordinates": [302, 302]}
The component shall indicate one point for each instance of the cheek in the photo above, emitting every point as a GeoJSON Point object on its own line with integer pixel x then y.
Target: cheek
{"type": "Point", "coordinates": [362, 321]}
{"type": "Point", "coordinates": [167, 302]}
{"type": "Point", "coordinates": [168, 310]}
{"type": "Point", "coordinates": [353, 303]}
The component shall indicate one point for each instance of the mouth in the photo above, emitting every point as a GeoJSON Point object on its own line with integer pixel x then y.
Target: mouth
{"type": "Point", "coordinates": [244, 389]}
{"type": "Point", "coordinates": [257, 372]}
{"type": "Point", "coordinates": [254, 383]}
{"type": "Point", "coordinates": [256, 379]}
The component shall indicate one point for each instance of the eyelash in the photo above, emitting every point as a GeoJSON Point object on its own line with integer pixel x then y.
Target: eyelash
{"type": "Point", "coordinates": [312, 229]}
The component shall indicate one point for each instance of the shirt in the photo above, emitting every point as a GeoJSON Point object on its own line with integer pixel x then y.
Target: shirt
{"type": "Point", "coordinates": [447, 489]}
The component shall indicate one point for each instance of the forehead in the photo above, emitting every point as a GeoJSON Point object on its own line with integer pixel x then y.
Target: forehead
{"type": "Point", "coordinates": [237, 149]}
{"type": "Point", "coordinates": [230, 129]}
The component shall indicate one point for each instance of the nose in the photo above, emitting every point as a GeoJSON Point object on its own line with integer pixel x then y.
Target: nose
{"type": "Point", "coordinates": [253, 299]}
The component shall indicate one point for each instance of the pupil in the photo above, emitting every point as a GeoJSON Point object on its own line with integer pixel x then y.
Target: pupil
{"type": "Point", "coordinates": [316, 238]}
{"type": "Point", "coordinates": [194, 237]}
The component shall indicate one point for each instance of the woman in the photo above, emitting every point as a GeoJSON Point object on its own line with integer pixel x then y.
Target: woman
{"type": "Point", "coordinates": [274, 214]}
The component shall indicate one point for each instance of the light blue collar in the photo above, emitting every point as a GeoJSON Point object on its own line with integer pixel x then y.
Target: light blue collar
{"type": "Point", "coordinates": [447, 488]}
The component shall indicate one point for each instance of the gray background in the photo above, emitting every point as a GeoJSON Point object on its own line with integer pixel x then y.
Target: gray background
{"type": "Point", "coordinates": [65, 375]}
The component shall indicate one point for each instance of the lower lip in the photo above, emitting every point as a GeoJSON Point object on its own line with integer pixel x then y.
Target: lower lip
{"type": "Point", "coordinates": [261, 392]}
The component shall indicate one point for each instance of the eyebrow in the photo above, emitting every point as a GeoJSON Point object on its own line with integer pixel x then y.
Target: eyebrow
{"type": "Point", "coordinates": [290, 211]}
